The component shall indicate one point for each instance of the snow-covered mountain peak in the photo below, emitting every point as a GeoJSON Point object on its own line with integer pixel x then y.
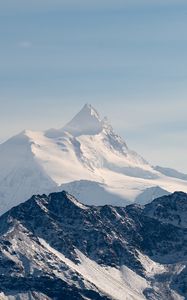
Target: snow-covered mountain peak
{"type": "Point", "coordinates": [85, 157]}
{"type": "Point", "coordinates": [106, 126]}
{"type": "Point", "coordinates": [89, 109]}
{"type": "Point", "coordinates": [86, 122]}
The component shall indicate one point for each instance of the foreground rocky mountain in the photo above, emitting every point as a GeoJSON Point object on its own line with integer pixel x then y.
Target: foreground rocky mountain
{"type": "Point", "coordinates": [88, 159]}
{"type": "Point", "coordinates": [54, 247]}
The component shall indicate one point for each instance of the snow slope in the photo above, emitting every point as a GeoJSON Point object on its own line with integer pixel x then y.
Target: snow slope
{"type": "Point", "coordinates": [86, 157]}
{"type": "Point", "coordinates": [54, 247]}
{"type": "Point", "coordinates": [111, 281]}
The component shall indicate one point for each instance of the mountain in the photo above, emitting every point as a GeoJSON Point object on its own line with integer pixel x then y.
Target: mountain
{"type": "Point", "coordinates": [85, 157]}
{"type": "Point", "coordinates": [171, 172]}
{"type": "Point", "coordinates": [54, 247]}
{"type": "Point", "coordinates": [150, 194]}
{"type": "Point", "coordinates": [86, 122]}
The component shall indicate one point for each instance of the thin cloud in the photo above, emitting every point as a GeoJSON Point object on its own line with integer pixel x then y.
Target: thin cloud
{"type": "Point", "coordinates": [25, 44]}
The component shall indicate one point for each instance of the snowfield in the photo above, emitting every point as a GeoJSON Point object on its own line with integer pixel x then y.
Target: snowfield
{"type": "Point", "coordinates": [110, 281]}
{"type": "Point", "coordinates": [87, 158]}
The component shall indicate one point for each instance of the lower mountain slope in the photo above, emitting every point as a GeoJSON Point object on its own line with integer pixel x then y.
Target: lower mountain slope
{"type": "Point", "coordinates": [54, 247]}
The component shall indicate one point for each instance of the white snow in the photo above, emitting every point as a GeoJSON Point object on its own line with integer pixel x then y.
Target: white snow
{"type": "Point", "coordinates": [87, 121]}
{"type": "Point", "coordinates": [119, 284]}
{"type": "Point", "coordinates": [77, 203]}
{"type": "Point", "coordinates": [151, 267]}
{"type": "Point", "coordinates": [90, 152]}
{"type": "Point", "coordinates": [20, 173]}
{"type": "Point", "coordinates": [23, 296]}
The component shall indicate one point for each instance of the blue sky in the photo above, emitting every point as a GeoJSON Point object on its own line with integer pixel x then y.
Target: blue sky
{"type": "Point", "coordinates": [126, 58]}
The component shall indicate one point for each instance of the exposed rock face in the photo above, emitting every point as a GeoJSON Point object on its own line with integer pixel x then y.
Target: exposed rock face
{"type": "Point", "coordinates": [54, 247]}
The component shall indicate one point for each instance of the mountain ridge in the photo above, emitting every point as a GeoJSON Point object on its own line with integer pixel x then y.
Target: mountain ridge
{"type": "Point", "coordinates": [54, 246]}
{"type": "Point", "coordinates": [42, 162]}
